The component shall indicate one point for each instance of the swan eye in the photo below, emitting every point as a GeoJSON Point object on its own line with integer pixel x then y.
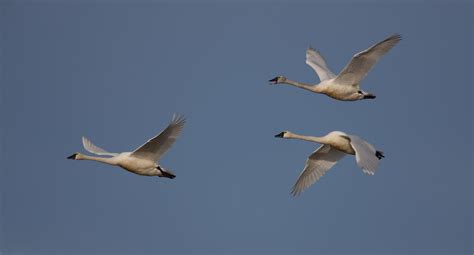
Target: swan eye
{"type": "Point", "coordinates": [360, 92]}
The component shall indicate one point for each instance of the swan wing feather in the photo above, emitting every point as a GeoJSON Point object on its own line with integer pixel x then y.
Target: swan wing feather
{"type": "Point", "coordinates": [362, 62]}
{"type": "Point", "coordinates": [317, 164]}
{"type": "Point", "coordinates": [316, 61]}
{"type": "Point", "coordinates": [365, 154]}
{"type": "Point", "coordinates": [157, 146]}
{"type": "Point", "coordinates": [92, 148]}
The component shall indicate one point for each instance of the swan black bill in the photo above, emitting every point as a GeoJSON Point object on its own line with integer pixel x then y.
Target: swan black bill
{"type": "Point", "coordinates": [274, 80]}
{"type": "Point", "coordinates": [369, 96]}
{"type": "Point", "coordinates": [280, 135]}
{"type": "Point", "coordinates": [73, 156]}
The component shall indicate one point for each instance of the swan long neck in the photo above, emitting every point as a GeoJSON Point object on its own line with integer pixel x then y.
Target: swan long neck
{"type": "Point", "coordinates": [315, 139]}
{"type": "Point", "coordinates": [110, 161]}
{"type": "Point", "coordinates": [301, 85]}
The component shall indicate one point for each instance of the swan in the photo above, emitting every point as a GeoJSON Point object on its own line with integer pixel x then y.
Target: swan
{"type": "Point", "coordinates": [141, 161]}
{"type": "Point", "coordinates": [344, 86]}
{"type": "Point", "coordinates": [334, 146]}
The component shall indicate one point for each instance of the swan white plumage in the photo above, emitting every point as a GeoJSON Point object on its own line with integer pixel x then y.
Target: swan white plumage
{"type": "Point", "coordinates": [335, 146]}
{"type": "Point", "coordinates": [345, 86]}
{"type": "Point", "coordinates": [143, 160]}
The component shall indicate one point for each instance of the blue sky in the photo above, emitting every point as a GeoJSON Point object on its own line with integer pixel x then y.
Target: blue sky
{"type": "Point", "coordinates": [116, 72]}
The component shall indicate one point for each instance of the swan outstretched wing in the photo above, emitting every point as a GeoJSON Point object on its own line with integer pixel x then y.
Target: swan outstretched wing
{"type": "Point", "coordinates": [362, 62]}
{"type": "Point", "coordinates": [318, 163]}
{"type": "Point", "coordinates": [157, 146]}
{"type": "Point", "coordinates": [90, 147]}
{"type": "Point", "coordinates": [316, 61]}
{"type": "Point", "coordinates": [365, 154]}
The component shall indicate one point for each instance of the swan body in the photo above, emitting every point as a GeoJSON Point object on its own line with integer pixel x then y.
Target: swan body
{"type": "Point", "coordinates": [335, 146]}
{"type": "Point", "coordinates": [344, 86]}
{"type": "Point", "coordinates": [142, 161]}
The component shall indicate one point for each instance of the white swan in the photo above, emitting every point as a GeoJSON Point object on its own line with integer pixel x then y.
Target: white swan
{"type": "Point", "coordinates": [344, 86]}
{"type": "Point", "coordinates": [141, 161]}
{"type": "Point", "coordinates": [334, 146]}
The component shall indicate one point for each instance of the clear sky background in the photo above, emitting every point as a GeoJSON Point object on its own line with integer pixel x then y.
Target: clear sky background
{"type": "Point", "coordinates": [117, 72]}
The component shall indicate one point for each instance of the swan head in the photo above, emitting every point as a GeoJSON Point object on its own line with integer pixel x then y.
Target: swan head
{"type": "Point", "coordinates": [75, 156]}
{"type": "Point", "coordinates": [278, 79]}
{"type": "Point", "coordinates": [283, 134]}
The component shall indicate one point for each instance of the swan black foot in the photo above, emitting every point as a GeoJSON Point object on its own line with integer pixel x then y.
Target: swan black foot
{"type": "Point", "coordinates": [379, 154]}
{"type": "Point", "coordinates": [168, 175]}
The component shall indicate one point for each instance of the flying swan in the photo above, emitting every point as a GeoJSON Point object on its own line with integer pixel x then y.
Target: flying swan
{"type": "Point", "coordinates": [143, 160]}
{"type": "Point", "coordinates": [344, 86]}
{"type": "Point", "coordinates": [334, 146]}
